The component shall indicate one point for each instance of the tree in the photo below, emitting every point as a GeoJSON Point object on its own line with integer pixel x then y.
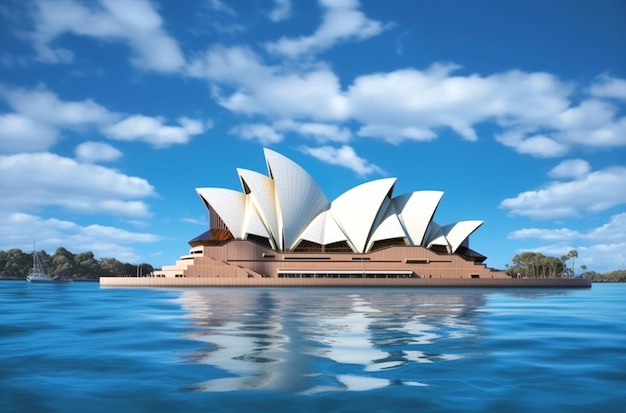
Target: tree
{"type": "Point", "coordinates": [63, 264]}
{"type": "Point", "coordinates": [87, 266]}
{"type": "Point", "coordinates": [573, 254]}
{"type": "Point", "coordinates": [111, 267]}
{"type": "Point", "coordinates": [564, 259]}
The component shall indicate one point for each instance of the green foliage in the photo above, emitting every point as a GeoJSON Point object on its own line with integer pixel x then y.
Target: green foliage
{"type": "Point", "coordinates": [618, 276]}
{"type": "Point", "coordinates": [537, 265]}
{"type": "Point", "coordinates": [15, 263]}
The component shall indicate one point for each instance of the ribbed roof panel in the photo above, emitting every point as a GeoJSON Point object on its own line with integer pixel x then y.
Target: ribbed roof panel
{"type": "Point", "coordinates": [356, 210]}
{"type": "Point", "coordinates": [229, 205]}
{"type": "Point", "coordinates": [299, 199]}
{"type": "Point", "coordinates": [416, 210]}
{"type": "Point", "coordinates": [458, 232]}
{"type": "Point", "coordinates": [262, 195]}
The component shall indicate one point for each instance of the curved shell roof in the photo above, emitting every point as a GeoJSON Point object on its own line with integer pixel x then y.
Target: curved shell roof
{"type": "Point", "coordinates": [457, 233]}
{"type": "Point", "coordinates": [261, 191]}
{"type": "Point", "coordinates": [356, 210]}
{"type": "Point", "coordinates": [415, 211]}
{"type": "Point", "coordinates": [288, 207]}
{"type": "Point", "coordinates": [298, 197]}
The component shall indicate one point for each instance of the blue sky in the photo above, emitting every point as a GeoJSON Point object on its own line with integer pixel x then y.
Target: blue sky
{"type": "Point", "coordinates": [113, 111]}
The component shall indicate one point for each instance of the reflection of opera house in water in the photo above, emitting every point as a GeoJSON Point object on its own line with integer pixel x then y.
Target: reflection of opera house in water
{"type": "Point", "coordinates": [312, 341]}
{"type": "Point", "coordinates": [281, 230]}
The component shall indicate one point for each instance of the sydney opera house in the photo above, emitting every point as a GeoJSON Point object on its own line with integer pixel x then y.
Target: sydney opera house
{"type": "Point", "coordinates": [282, 230]}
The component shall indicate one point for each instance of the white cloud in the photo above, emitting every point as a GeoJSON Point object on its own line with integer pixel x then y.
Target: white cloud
{"type": "Point", "coordinates": [264, 134]}
{"type": "Point", "coordinates": [342, 21]}
{"type": "Point", "coordinates": [41, 116]}
{"type": "Point", "coordinates": [36, 180]}
{"type": "Point", "coordinates": [19, 228]}
{"type": "Point", "coordinates": [599, 248]}
{"type": "Point", "coordinates": [344, 156]}
{"type": "Point", "coordinates": [545, 234]}
{"type": "Point", "coordinates": [607, 86]}
{"type": "Point", "coordinates": [614, 230]}
{"type": "Point", "coordinates": [534, 110]}
{"type": "Point", "coordinates": [134, 22]}
{"type": "Point", "coordinates": [321, 132]}
{"type": "Point", "coordinates": [275, 92]}
{"type": "Point", "coordinates": [539, 146]}
{"type": "Point", "coordinates": [281, 10]}
{"type": "Point", "coordinates": [153, 130]}
{"type": "Point", "coordinates": [594, 192]}
{"type": "Point", "coordinates": [20, 134]}
{"type": "Point", "coordinates": [396, 135]}
{"type": "Point", "coordinates": [96, 152]}
{"type": "Point", "coordinates": [43, 106]}
{"type": "Point", "coordinates": [571, 168]}
{"type": "Point", "coordinates": [414, 103]}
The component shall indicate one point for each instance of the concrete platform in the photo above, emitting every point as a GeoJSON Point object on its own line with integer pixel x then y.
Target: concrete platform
{"type": "Point", "coordinates": [333, 282]}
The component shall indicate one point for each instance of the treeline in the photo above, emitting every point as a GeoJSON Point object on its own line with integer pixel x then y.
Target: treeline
{"type": "Point", "coordinates": [618, 276]}
{"type": "Point", "coordinates": [15, 263]}
{"type": "Point", "coordinates": [537, 265]}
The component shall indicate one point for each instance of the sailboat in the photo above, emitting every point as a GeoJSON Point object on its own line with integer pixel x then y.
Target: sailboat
{"type": "Point", "coordinates": [37, 274]}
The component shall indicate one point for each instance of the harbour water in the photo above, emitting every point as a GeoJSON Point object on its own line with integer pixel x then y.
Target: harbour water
{"type": "Point", "coordinates": [81, 348]}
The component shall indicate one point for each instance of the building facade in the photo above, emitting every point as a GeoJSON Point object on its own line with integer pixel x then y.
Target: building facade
{"type": "Point", "coordinates": [281, 226]}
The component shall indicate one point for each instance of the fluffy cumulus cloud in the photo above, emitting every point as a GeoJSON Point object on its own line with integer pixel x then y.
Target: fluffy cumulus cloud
{"type": "Point", "coordinates": [19, 134]}
{"type": "Point", "coordinates": [612, 231]}
{"type": "Point", "coordinates": [152, 130]}
{"type": "Point", "coordinates": [342, 21]}
{"type": "Point", "coordinates": [597, 247]}
{"type": "Point", "coordinates": [346, 157]}
{"type": "Point", "coordinates": [243, 84]}
{"type": "Point", "coordinates": [35, 180]}
{"type": "Point", "coordinates": [414, 103]}
{"type": "Point", "coordinates": [535, 111]}
{"type": "Point", "coordinates": [587, 193]}
{"type": "Point", "coordinates": [571, 168]}
{"type": "Point", "coordinates": [320, 132]}
{"type": "Point", "coordinates": [103, 241]}
{"type": "Point", "coordinates": [39, 116]}
{"type": "Point", "coordinates": [134, 22]}
{"type": "Point", "coordinates": [96, 152]}
{"type": "Point", "coordinates": [264, 134]}
{"type": "Point", "coordinates": [607, 86]}
{"type": "Point", "coordinates": [275, 132]}
{"type": "Point", "coordinates": [44, 106]}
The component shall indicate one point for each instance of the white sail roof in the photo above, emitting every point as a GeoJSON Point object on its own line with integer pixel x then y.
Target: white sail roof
{"type": "Point", "coordinates": [229, 205]}
{"type": "Point", "coordinates": [263, 197]}
{"type": "Point", "coordinates": [458, 232]}
{"type": "Point", "coordinates": [288, 206]}
{"type": "Point", "coordinates": [415, 211]}
{"type": "Point", "coordinates": [356, 210]}
{"type": "Point", "coordinates": [323, 230]}
{"type": "Point", "coordinates": [298, 197]}
{"type": "Point", "coordinates": [389, 226]}
{"type": "Point", "coordinates": [435, 236]}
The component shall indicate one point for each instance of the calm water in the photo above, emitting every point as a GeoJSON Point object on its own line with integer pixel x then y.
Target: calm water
{"type": "Point", "coordinates": [79, 348]}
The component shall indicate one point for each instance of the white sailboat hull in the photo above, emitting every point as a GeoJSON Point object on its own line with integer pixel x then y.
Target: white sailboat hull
{"type": "Point", "coordinates": [41, 279]}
